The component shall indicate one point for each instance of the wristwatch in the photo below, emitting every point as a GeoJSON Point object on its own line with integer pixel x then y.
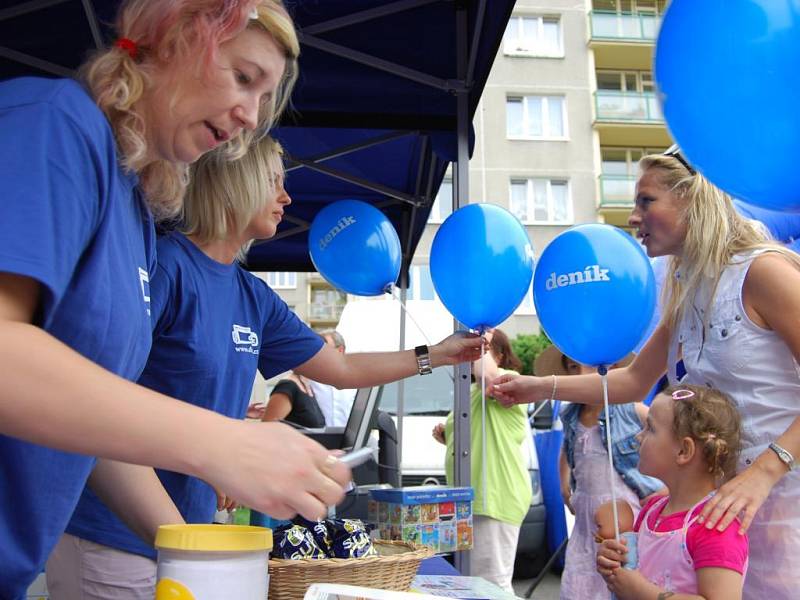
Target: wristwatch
{"type": "Point", "coordinates": [785, 456]}
{"type": "Point", "coordinates": [423, 360]}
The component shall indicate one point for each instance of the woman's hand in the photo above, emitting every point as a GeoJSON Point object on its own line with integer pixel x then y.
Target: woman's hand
{"type": "Point", "coordinates": [510, 389]}
{"type": "Point", "coordinates": [438, 433]}
{"type": "Point", "coordinates": [744, 494]}
{"type": "Point", "coordinates": [225, 502]}
{"type": "Point", "coordinates": [457, 348]}
{"type": "Point", "coordinates": [275, 470]}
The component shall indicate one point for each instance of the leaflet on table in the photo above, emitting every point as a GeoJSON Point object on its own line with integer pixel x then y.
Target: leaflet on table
{"type": "Point", "coordinates": [422, 494]}
{"type": "Point", "coordinates": [335, 591]}
{"type": "Point", "coordinates": [466, 588]}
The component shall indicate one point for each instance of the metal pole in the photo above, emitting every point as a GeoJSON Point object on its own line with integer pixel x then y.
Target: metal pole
{"type": "Point", "coordinates": [461, 410]}
{"type": "Point", "coordinates": [401, 385]}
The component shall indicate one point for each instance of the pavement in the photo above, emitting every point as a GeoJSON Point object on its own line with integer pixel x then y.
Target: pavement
{"type": "Point", "coordinates": [548, 589]}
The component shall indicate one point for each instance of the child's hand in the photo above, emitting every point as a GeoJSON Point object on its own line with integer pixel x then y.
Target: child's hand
{"type": "Point", "coordinates": [438, 433]}
{"type": "Point", "coordinates": [628, 584]}
{"type": "Point", "coordinates": [611, 555]}
{"type": "Point", "coordinates": [566, 494]}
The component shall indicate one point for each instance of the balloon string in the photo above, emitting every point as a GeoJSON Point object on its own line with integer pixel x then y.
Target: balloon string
{"type": "Point", "coordinates": [408, 314]}
{"type": "Point", "coordinates": [483, 421]}
{"type": "Point", "coordinates": [604, 379]}
{"type": "Point", "coordinates": [413, 320]}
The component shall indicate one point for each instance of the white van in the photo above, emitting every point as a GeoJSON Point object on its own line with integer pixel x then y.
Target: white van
{"type": "Point", "coordinates": [374, 325]}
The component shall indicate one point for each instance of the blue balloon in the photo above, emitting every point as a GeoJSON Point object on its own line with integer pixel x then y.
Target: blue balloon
{"type": "Point", "coordinates": [355, 247]}
{"type": "Point", "coordinates": [727, 75]}
{"type": "Point", "coordinates": [595, 293]}
{"type": "Point", "coordinates": [481, 264]}
{"type": "Point", "coordinates": [783, 226]}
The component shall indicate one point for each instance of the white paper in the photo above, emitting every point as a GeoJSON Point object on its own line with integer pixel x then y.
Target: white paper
{"type": "Point", "coordinates": [332, 591]}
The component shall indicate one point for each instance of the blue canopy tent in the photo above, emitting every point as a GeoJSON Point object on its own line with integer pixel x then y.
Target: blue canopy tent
{"type": "Point", "coordinates": [385, 99]}
{"type": "Point", "coordinates": [375, 109]}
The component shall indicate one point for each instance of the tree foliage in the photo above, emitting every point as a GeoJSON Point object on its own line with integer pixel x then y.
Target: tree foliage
{"type": "Point", "coordinates": [527, 347]}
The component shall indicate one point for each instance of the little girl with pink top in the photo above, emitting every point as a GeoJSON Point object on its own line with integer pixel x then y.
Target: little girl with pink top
{"type": "Point", "coordinates": [691, 442]}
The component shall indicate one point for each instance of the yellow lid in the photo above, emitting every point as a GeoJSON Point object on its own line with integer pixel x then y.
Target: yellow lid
{"type": "Point", "coordinates": [214, 538]}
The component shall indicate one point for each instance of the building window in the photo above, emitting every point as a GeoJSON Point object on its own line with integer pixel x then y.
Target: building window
{"type": "Point", "coordinates": [626, 81]}
{"type": "Point", "coordinates": [623, 161]}
{"type": "Point", "coordinates": [443, 204]}
{"type": "Point", "coordinates": [631, 6]}
{"type": "Point", "coordinates": [536, 117]}
{"type": "Point", "coordinates": [282, 280]}
{"type": "Point", "coordinates": [533, 36]}
{"type": "Point", "coordinates": [527, 307]}
{"type": "Point", "coordinates": [420, 284]}
{"type": "Point", "coordinates": [537, 200]}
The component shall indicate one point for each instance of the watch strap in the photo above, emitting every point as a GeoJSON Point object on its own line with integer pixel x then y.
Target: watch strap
{"type": "Point", "coordinates": [423, 356]}
{"type": "Point", "coordinates": [784, 455]}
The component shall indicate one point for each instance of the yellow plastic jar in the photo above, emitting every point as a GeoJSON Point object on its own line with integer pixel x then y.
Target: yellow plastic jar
{"type": "Point", "coordinates": [210, 562]}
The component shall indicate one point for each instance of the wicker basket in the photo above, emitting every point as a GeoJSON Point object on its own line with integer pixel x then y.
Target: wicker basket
{"type": "Point", "coordinates": [393, 569]}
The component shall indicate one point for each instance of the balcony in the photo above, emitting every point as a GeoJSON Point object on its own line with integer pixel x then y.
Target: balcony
{"type": "Point", "coordinates": [616, 199]}
{"type": "Point", "coordinates": [623, 27]}
{"type": "Point", "coordinates": [615, 106]}
{"type": "Point", "coordinates": [328, 313]}
{"type": "Point", "coordinates": [623, 40]}
{"type": "Point", "coordinates": [617, 191]}
{"type": "Point", "coordinates": [629, 119]}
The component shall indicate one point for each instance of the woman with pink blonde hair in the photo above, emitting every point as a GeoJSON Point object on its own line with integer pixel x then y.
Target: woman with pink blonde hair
{"type": "Point", "coordinates": [86, 167]}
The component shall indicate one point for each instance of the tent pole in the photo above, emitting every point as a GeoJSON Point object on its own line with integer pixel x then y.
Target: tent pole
{"type": "Point", "coordinates": [401, 384]}
{"type": "Point", "coordinates": [461, 410]}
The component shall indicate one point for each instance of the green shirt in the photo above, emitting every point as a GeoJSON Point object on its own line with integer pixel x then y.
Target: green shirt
{"type": "Point", "coordinates": [507, 478]}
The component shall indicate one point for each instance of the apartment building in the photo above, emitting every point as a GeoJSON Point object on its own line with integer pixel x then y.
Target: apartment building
{"type": "Point", "coordinates": [568, 110]}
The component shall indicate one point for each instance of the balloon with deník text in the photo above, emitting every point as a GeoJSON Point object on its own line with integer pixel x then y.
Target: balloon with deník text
{"type": "Point", "coordinates": [481, 264]}
{"type": "Point", "coordinates": [727, 78]}
{"type": "Point", "coordinates": [355, 248]}
{"type": "Point", "coordinates": [595, 293]}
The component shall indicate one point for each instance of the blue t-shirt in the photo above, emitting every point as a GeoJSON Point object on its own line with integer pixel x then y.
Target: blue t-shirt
{"type": "Point", "coordinates": [71, 219]}
{"type": "Point", "coordinates": [214, 325]}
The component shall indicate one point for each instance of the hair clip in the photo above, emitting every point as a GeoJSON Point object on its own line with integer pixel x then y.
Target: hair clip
{"type": "Point", "coordinates": [254, 14]}
{"type": "Point", "coordinates": [711, 436]}
{"type": "Point", "coordinates": [683, 394]}
{"type": "Point", "coordinates": [128, 46]}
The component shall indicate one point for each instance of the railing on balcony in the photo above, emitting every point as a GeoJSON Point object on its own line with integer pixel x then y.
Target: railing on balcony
{"type": "Point", "coordinates": [620, 26]}
{"type": "Point", "coordinates": [325, 312]}
{"type": "Point", "coordinates": [611, 105]}
{"type": "Point", "coordinates": [617, 190]}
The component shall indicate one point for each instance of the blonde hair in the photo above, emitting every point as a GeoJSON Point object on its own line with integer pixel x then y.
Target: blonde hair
{"type": "Point", "coordinates": [224, 195]}
{"type": "Point", "coordinates": [711, 419]}
{"type": "Point", "coordinates": [187, 32]}
{"type": "Point", "coordinates": [715, 233]}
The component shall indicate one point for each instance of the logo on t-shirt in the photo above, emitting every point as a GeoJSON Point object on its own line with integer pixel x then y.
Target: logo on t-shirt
{"type": "Point", "coordinates": [144, 281]}
{"type": "Point", "coordinates": [244, 339]}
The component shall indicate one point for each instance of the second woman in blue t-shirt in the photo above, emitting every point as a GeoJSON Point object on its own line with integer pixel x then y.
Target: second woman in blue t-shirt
{"type": "Point", "coordinates": [215, 324]}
